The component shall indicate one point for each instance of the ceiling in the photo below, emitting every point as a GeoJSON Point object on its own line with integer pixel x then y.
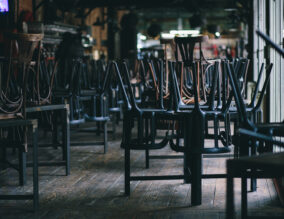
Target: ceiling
{"type": "Point", "coordinates": [130, 4]}
{"type": "Point", "coordinates": [166, 12]}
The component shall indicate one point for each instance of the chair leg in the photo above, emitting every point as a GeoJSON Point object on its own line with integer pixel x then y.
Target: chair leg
{"type": "Point", "coordinates": [244, 200]}
{"type": "Point", "coordinates": [236, 141]}
{"type": "Point", "coordinates": [71, 106]}
{"type": "Point", "coordinates": [216, 127]}
{"type": "Point", "coordinates": [98, 128]}
{"type": "Point", "coordinates": [230, 207]}
{"type": "Point", "coordinates": [147, 158]}
{"type": "Point", "coordinates": [227, 129]}
{"type": "Point", "coordinates": [3, 154]}
{"type": "Point", "coordinates": [35, 171]}
{"type": "Point", "coordinates": [127, 170]}
{"type": "Point", "coordinates": [196, 184]}
{"type": "Point", "coordinates": [54, 129]}
{"type": "Point", "coordinates": [66, 141]}
{"type": "Point", "coordinates": [114, 125]}
{"type": "Point", "coordinates": [127, 156]}
{"type": "Point", "coordinates": [105, 137]}
{"type": "Point", "coordinates": [22, 167]}
{"type": "Point", "coordinates": [206, 128]}
{"type": "Point", "coordinates": [228, 119]}
{"type": "Point", "coordinates": [253, 181]}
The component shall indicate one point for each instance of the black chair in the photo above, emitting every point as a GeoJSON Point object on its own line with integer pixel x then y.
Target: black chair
{"type": "Point", "coordinates": [94, 96]}
{"type": "Point", "coordinates": [146, 129]}
{"type": "Point", "coordinates": [194, 137]}
{"type": "Point", "coordinates": [67, 87]}
{"type": "Point", "coordinates": [248, 146]}
{"type": "Point", "coordinates": [115, 103]}
{"type": "Point", "coordinates": [210, 111]}
{"type": "Point", "coordinates": [214, 111]}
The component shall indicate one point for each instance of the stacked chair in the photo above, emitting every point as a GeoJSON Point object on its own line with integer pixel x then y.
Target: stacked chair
{"type": "Point", "coordinates": [81, 83]}
{"type": "Point", "coordinates": [14, 123]}
{"type": "Point", "coordinates": [254, 139]}
{"type": "Point", "coordinates": [40, 105]}
{"type": "Point", "coordinates": [200, 92]}
{"type": "Point", "coordinates": [146, 131]}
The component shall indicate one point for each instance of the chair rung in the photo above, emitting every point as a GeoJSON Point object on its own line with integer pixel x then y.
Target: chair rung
{"type": "Point", "coordinates": [86, 143]}
{"type": "Point", "coordinates": [47, 145]}
{"type": "Point", "coordinates": [169, 177]}
{"type": "Point", "coordinates": [43, 164]}
{"type": "Point", "coordinates": [16, 197]}
{"type": "Point", "coordinates": [166, 157]}
{"type": "Point", "coordinates": [213, 176]}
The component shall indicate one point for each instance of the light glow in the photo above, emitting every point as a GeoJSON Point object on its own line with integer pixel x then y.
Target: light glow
{"type": "Point", "coordinates": [167, 35]}
{"type": "Point", "coordinates": [143, 37]}
{"type": "Point", "coordinates": [185, 32]}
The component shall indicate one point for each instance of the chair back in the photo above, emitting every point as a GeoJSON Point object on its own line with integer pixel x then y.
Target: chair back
{"type": "Point", "coordinates": [15, 73]}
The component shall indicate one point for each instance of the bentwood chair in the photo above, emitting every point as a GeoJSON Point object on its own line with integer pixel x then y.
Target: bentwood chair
{"type": "Point", "coordinates": [209, 109]}
{"type": "Point", "coordinates": [40, 105]}
{"type": "Point", "coordinates": [13, 123]}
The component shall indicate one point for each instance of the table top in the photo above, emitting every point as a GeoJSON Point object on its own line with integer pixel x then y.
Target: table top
{"type": "Point", "coordinates": [263, 161]}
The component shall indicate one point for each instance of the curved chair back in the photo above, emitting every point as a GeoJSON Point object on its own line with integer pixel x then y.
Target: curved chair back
{"type": "Point", "coordinates": [14, 81]}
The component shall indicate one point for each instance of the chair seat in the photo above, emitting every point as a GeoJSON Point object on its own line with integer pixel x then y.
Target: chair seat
{"type": "Point", "coordinates": [234, 109]}
{"type": "Point", "coordinates": [152, 110]}
{"type": "Point", "coordinates": [214, 150]}
{"type": "Point", "coordinates": [96, 118]}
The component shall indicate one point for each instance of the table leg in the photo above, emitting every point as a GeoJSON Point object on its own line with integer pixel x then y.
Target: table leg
{"type": "Point", "coordinates": [230, 207]}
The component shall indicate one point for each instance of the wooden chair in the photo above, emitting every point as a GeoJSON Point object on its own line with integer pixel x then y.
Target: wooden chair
{"type": "Point", "coordinates": [185, 52]}
{"type": "Point", "coordinates": [40, 104]}
{"type": "Point", "coordinates": [14, 78]}
{"type": "Point", "coordinates": [146, 129]}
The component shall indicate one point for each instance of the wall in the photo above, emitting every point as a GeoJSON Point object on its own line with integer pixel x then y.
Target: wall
{"type": "Point", "coordinates": [99, 33]}
{"type": "Point", "coordinates": [277, 78]}
{"type": "Point", "coordinates": [25, 5]}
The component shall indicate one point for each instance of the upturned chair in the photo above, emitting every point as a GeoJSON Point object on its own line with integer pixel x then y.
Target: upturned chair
{"type": "Point", "coordinates": [13, 123]}
{"type": "Point", "coordinates": [252, 138]}
{"type": "Point", "coordinates": [146, 128]}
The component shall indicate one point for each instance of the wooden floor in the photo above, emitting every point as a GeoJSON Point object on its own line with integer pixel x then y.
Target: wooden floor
{"type": "Point", "coordinates": [95, 188]}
